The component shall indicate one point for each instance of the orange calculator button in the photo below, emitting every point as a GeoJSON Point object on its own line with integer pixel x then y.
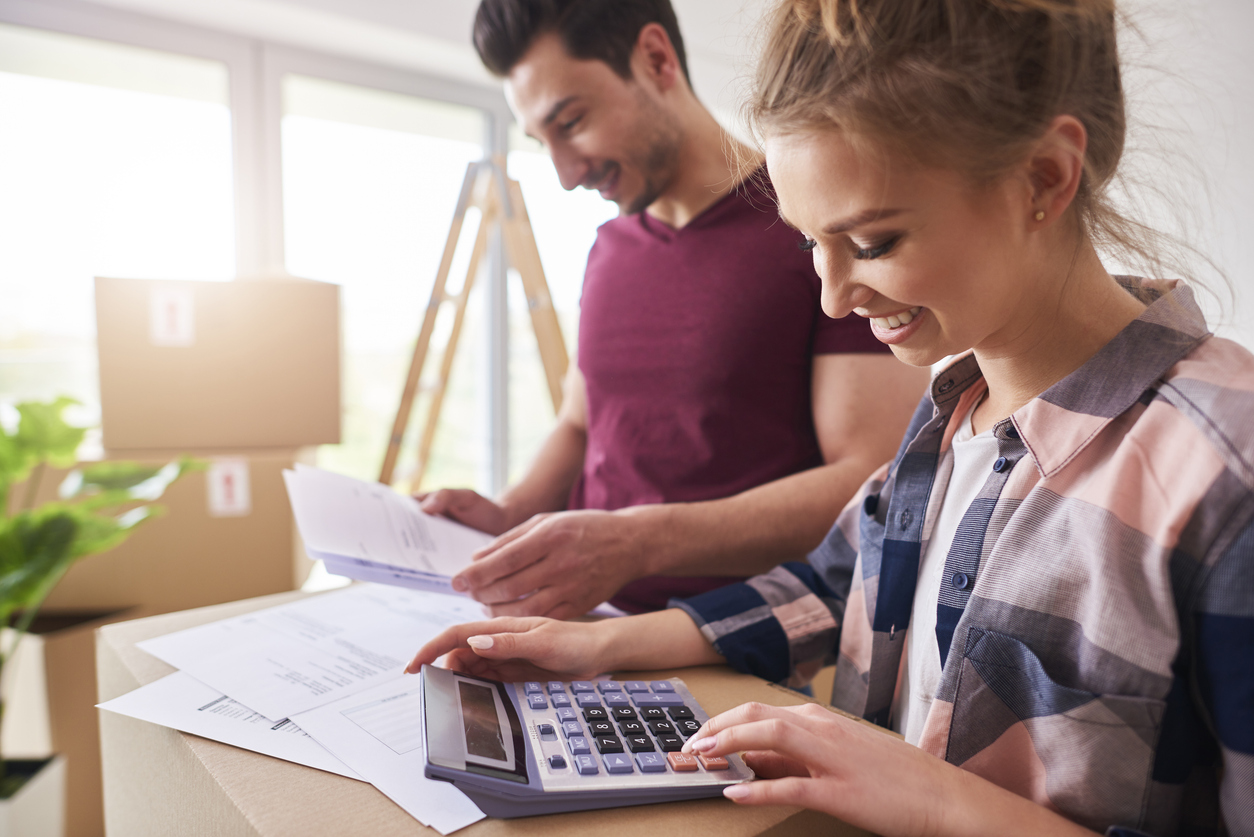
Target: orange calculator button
{"type": "Point", "coordinates": [713, 762]}
{"type": "Point", "coordinates": [682, 762]}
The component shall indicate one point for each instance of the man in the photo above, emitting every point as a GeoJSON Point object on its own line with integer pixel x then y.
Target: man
{"type": "Point", "coordinates": [716, 421]}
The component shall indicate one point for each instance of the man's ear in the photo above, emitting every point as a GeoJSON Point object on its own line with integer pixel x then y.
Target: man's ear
{"type": "Point", "coordinates": [1054, 169]}
{"type": "Point", "coordinates": [654, 60]}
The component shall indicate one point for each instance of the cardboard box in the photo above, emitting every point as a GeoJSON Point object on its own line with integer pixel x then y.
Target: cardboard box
{"type": "Point", "coordinates": [51, 683]}
{"type": "Point", "coordinates": [227, 533]}
{"type": "Point", "coordinates": [158, 781]}
{"type": "Point", "coordinates": [218, 365]}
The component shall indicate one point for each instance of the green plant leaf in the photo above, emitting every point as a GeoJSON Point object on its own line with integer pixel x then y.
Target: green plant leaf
{"type": "Point", "coordinates": [35, 550]}
{"type": "Point", "coordinates": [45, 434]}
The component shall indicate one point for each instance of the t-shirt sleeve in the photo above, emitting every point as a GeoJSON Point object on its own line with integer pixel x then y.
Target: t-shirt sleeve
{"type": "Point", "coordinates": [851, 334]}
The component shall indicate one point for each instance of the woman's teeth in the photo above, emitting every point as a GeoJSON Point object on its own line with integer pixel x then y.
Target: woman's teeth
{"type": "Point", "coordinates": [897, 320]}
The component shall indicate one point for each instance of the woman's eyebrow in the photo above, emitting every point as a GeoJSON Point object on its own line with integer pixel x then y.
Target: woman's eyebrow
{"type": "Point", "coordinates": [861, 218]}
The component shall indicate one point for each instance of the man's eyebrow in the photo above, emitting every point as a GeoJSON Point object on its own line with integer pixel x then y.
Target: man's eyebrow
{"type": "Point", "coordinates": [555, 110]}
{"type": "Point", "coordinates": [858, 220]}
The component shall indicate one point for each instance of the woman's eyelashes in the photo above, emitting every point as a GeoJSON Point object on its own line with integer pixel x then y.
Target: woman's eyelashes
{"type": "Point", "coordinates": [878, 250]}
{"type": "Point", "coordinates": [806, 244]}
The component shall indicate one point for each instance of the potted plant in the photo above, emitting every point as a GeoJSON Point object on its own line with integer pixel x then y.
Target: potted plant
{"type": "Point", "coordinates": [98, 506]}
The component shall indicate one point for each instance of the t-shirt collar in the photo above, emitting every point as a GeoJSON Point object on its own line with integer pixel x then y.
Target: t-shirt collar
{"type": "Point", "coordinates": [1059, 423]}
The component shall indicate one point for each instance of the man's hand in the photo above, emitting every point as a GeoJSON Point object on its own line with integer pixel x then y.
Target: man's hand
{"type": "Point", "coordinates": [559, 565]}
{"type": "Point", "coordinates": [468, 507]}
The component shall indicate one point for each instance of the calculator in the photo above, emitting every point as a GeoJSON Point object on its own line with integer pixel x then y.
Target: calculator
{"type": "Point", "coordinates": [520, 749]}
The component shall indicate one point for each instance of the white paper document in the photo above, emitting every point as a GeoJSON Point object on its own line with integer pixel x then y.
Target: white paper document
{"type": "Point", "coordinates": [378, 733]}
{"type": "Point", "coordinates": [184, 703]}
{"type": "Point", "coordinates": [298, 656]}
{"type": "Point", "coordinates": [367, 531]}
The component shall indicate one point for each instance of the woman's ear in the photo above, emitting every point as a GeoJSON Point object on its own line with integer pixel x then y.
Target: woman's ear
{"type": "Point", "coordinates": [1055, 168]}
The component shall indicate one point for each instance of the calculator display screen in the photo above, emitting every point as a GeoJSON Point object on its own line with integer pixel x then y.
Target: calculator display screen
{"type": "Point", "coordinates": [480, 722]}
{"type": "Point", "coordinates": [490, 731]}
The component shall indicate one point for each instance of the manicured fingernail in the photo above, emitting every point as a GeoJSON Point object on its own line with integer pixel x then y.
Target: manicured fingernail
{"type": "Point", "coordinates": [459, 584]}
{"type": "Point", "coordinates": [736, 791]}
{"type": "Point", "coordinates": [480, 642]}
{"type": "Point", "coordinates": [703, 744]}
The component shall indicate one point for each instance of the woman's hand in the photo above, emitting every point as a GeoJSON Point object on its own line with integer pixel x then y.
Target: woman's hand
{"type": "Point", "coordinates": [810, 756]}
{"type": "Point", "coordinates": [518, 648]}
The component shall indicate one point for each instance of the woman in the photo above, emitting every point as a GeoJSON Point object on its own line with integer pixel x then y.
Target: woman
{"type": "Point", "coordinates": [1050, 591]}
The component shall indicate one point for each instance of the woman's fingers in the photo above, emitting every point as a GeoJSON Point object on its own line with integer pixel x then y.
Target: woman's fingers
{"type": "Point", "coordinates": [789, 791]}
{"type": "Point", "coordinates": [456, 637]}
{"type": "Point", "coordinates": [767, 764]}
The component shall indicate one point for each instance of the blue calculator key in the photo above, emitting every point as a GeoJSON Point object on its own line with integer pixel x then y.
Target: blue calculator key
{"type": "Point", "coordinates": [571, 729]}
{"type": "Point", "coordinates": [617, 763]}
{"type": "Point", "coordinates": [664, 699]}
{"type": "Point", "coordinates": [662, 686]}
{"type": "Point", "coordinates": [531, 687]}
{"type": "Point", "coordinates": [557, 686]}
{"type": "Point", "coordinates": [586, 765]}
{"type": "Point", "coordinates": [581, 686]}
{"type": "Point", "coordinates": [537, 702]}
{"type": "Point", "coordinates": [636, 686]}
{"type": "Point", "coordinates": [651, 762]}
{"type": "Point", "coordinates": [546, 730]}
{"type": "Point", "coordinates": [567, 714]}
{"type": "Point", "coordinates": [588, 699]}
{"type": "Point", "coordinates": [580, 746]}
{"type": "Point", "coordinates": [610, 686]}
{"type": "Point", "coordinates": [559, 763]}
{"type": "Point", "coordinates": [560, 699]}
{"type": "Point", "coordinates": [617, 699]}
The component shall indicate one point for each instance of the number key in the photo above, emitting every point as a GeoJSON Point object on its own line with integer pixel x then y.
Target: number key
{"type": "Point", "coordinates": [670, 743]}
{"type": "Point", "coordinates": [601, 727]}
{"type": "Point", "coordinates": [640, 743]}
{"type": "Point", "coordinates": [687, 728]}
{"type": "Point", "coordinates": [631, 728]}
{"type": "Point", "coordinates": [623, 713]}
{"type": "Point", "coordinates": [653, 713]}
{"type": "Point", "coordinates": [609, 744]}
{"type": "Point", "coordinates": [595, 713]}
{"type": "Point", "coordinates": [661, 728]}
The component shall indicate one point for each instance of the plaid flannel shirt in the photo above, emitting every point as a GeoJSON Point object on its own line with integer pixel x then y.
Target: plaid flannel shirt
{"type": "Point", "coordinates": [1096, 625]}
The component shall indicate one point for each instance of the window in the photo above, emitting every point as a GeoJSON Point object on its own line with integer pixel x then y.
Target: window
{"type": "Point", "coordinates": [114, 161]}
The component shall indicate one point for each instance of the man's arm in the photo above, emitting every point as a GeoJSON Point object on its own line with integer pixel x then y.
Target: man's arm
{"type": "Point", "coordinates": [568, 562]}
{"type": "Point", "coordinates": [546, 485]}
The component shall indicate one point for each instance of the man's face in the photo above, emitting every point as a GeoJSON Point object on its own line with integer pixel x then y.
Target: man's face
{"type": "Point", "coordinates": [603, 132]}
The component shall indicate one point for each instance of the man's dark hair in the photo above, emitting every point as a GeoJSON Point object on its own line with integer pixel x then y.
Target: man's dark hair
{"type": "Point", "coordinates": [601, 30]}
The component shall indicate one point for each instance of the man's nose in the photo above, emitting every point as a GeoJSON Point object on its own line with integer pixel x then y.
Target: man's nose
{"type": "Point", "coordinates": [571, 168]}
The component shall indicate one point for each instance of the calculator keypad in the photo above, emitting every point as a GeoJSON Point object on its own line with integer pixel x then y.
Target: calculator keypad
{"type": "Point", "coordinates": [616, 728]}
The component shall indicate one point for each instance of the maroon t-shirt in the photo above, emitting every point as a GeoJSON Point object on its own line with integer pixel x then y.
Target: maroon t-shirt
{"type": "Point", "coordinates": [696, 347]}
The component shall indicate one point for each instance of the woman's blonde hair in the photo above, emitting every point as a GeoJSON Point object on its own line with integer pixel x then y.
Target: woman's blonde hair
{"type": "Point", "coordinates": [962, 84]}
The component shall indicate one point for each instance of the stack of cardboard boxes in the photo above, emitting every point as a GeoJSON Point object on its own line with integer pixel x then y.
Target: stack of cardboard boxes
{"type": "Point", "coordinates": [244, 376]}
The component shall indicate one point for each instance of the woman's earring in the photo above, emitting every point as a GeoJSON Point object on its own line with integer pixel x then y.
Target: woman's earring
{"type": "Point", "coordinates": [1040, 215]}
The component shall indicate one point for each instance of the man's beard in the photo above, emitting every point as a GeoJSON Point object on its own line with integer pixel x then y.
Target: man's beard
{"type": "Point", "coordinates": [657, 158]}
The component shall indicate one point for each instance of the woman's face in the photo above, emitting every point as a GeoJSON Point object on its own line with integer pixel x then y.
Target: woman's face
{"type": "Point", "coordinates": [937, 264]}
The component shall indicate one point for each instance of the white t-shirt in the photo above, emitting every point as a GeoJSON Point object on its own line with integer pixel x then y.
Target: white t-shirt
{"type": "Point", "coordinates": [973, 458]}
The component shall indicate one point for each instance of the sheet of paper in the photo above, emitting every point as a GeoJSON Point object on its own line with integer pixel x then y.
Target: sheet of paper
{"type": "Point", "coordinates": [182, 702]}
{"type": "Point", "coordinates": [297, 656]}
{"type": "Point", "coordinates": [378, 733]}
{"type": "Point", "coordinates": [339, 515]}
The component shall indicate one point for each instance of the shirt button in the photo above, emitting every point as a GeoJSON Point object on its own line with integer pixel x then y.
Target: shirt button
{"type": "Point", "coordinates": [960, 581]}
{"type": "Point", "coordinates": [946, 386]}
{"type": "Point", "coordinates": [1000, 464]}
{"type": "Point", "coordinates": [905, 518]}
{"type": "Point", "coordinates": [1012, 432]}
{"type": "Point", "coordinates": [870, 504]}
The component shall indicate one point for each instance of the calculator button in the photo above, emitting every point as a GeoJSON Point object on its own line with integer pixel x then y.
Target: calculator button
{"type": "Point", "coordinates": [578, 745]}
{"type": "Point", "coordinates": [572, 728]}
{"type": "Point", "coordinates": [617, 763]}
{"type": "Point", "coordinates": [653, 713]}
{"type": "Point", "coordinates": [651, 762]}
{"type": "Point", "coordinates": [682, 762]}
{"type": "Point", "coordinates": [617, 699]}
{"type": "Point", "coordinates": [587, 699]}
{"type": "Point", "coordinates": [531, 687]}
{"type": "Point", "coordinates": [713, 762]}
{"type": "Point", "coordinates": [662, 686]}
{"type": "Point", "coordinates": [557, 762]}
{"type": "Point", "coordinates": [670, 743]}
{"type": "Point", "coordinates": [537, 702]}
{"type": "Point", "coordinates": [595, 713]}
{"type": "Point", "coordinates": [581, 686]}
{"type": "Point", "coordinates": [661, 728]}
{"type": "Point", "coordinates": [557, 686]}
{"type": "Point", "coordinates": [679, 713]}
{"type": "Point", "coordinates": [639, 743]}
{"type": "Point", "coordinates": [636, 686]}
{"type": "Point", "coordinates": [586, 765]}
{"type": "Point", "coordinates": [623, 713]}
{"type": "Point", "coordinates": [631, 728]}
{"type": "Point", "coordinates": [560, 699]}
{"type": "Point", "coordinates": [601, 727]}
{"type": "Point", "coordinates": [546, 731]}
{"type": "Point", "coordinates": [567, 714]}
{"type": "Point", "coordinates": [687, 728]}
{"type": "Point", "coordinates": [610, 686]}
{"type": "Point", "coordinates": [664, 699]}
{"type": "Point", "coordinates": [609, 744]}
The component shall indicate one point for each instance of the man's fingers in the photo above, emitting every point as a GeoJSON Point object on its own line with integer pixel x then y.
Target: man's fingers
{"type": "Point", "coordinates": [506, 538]}
{"type": "Point", "coordinates": [510, 557]}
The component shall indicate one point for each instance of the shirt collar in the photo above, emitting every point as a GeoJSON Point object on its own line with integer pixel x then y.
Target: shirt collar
{"type": "Point", "coordinates": [1059, 423]}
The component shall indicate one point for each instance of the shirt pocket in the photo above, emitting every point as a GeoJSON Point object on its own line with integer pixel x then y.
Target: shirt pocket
{"type": "Point", "coordinates": [1087, 755]}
